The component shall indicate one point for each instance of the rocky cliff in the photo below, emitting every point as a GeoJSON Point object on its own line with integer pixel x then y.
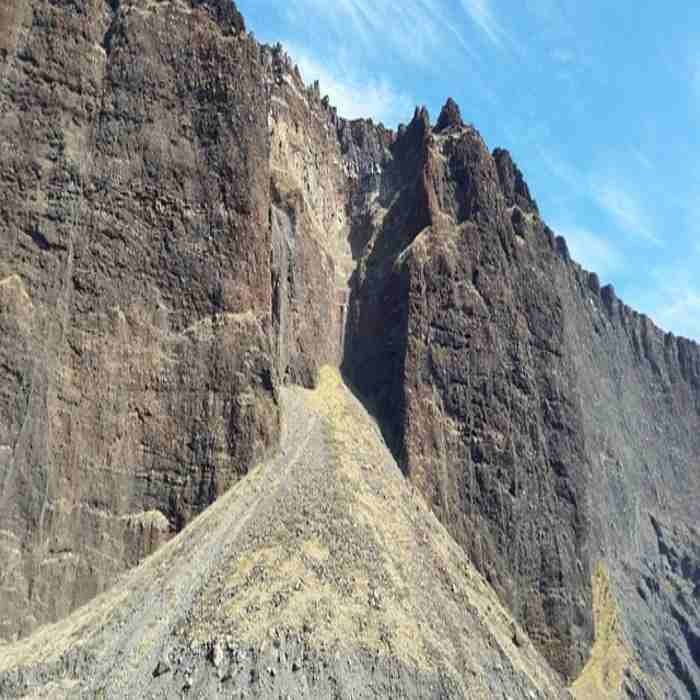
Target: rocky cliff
{"type": "Point", "coordinates": [138, 374]}
{"type": "Point", "coordinates": [187, 227]}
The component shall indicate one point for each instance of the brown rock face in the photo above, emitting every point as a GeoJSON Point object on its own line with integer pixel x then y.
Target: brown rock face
{"type": "Point", "coordinates": [513, 185]}
{"type": "Point", "coordinates": [137, 369]}
{"type": "Point", "coordinates": [469, 376]}
{"type": "Point", "coordinates": [542, 419]}
{"type": "Point", "coordinates": [309, 219]}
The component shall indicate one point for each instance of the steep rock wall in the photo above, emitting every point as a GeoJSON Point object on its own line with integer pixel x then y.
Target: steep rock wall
{"type": "Point", "coordinates": [465, 366]}
{"type": "Point", "coordinates": [309, 222]}
{"type": "Point", "coordinates": [137, 372]}
{"type": "Point", "coordinates": [640, 399]}
{"type": "Point", "coordinates": [552, 429]}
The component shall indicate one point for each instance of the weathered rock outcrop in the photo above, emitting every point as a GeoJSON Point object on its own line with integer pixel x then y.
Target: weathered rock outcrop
{"type": "Point", "coordinates": [464, 361]}
{"type": "Point", "coordinates": [137, 369]}
{"type": "Point", "coordinates": [546, 423]}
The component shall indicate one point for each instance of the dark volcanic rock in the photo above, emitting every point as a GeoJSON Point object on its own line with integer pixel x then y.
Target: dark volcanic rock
{"type": "Point", "coordinates": [138, 374]}
{"type": "Point", "coordinates": [513, 184]}
{"type": "Point", "coordinates": [458, 343]}
{"type": "Point", "coordinates": [450, 116]}
{"type": "Point", "coordinates": [497, 368]}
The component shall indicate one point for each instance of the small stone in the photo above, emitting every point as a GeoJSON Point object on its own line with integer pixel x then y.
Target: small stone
{"type": "Point", "coordinates": [517, 636]}
{"type": "Point", "coordinates": [161, 669]}
{"type": "Point", "coordinates": [296, 666]}
{"type": "Point", "coordinates": [217, 654]}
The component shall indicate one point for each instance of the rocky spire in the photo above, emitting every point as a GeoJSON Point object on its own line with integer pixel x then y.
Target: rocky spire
{"type": "Point", "coordinates": [224, 12]}
{"type": "Point", "coordinates": [421, 118]}
{"type": "Point", "coordinates": [512, 182]}
{"type": "Point", "coordinates": [413, 136]}
{"type": "Point", "coordinates": [450, 116]}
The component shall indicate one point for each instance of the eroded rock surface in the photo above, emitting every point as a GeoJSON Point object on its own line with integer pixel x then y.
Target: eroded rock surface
{"type": "Point", "coordinates": [464, 358]}
{"type": "Point", "coordinates": [137, 369]}
{"type": "Point", "coordinates": [545, 421]}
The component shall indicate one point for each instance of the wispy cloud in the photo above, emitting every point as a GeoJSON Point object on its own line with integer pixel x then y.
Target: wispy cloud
{"type": "Point", "coordinates": [620, 204]}
{"type": "Point", "coordinates": [670, 295]}
{"type": "Point", "coordinates": [482, 15]}
{"type": "Point", "coordinates": [416, 31]}
{"type": "Point", "coordinates": [354, 96]}
{"type": "Point", "coordinates": [349, 45]}
{"type": "Point", "coordinates": [682, 314]}
{"type": "Point", "coordinates": [675, 303]}
{"type": "Point", "coordinates": [624, 207]}
{"type": "Point", "coordinates": [595, 252]}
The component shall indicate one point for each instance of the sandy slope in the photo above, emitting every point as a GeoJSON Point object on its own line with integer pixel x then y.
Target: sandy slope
{"type": "Point", "coordinates": [321, 574]}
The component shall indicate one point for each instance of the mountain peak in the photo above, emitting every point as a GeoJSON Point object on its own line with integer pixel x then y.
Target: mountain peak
{"type": "Point", "coordinates": [421, 116]}
{"type": "Point", "coordinates": [224, 12]}
{"type": "Point", "coordinates": [450, 116]}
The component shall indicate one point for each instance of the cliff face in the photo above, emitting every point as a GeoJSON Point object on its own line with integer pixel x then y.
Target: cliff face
{"type": "Point", "coordinates": [471, 378]}
{"type": "Point", "coordinates": [138, 374]}
{"type": "Point", "coordinates": [551, 428]}
{"type": "Point", "coordinates": [186, 226]}
{"type": "Point", "coordinates": [640, 400]}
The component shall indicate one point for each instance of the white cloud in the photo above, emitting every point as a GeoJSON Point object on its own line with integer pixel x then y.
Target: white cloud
{"type": "Point", "coordinates": [620, 204]}
{"type": "Point", "coordinates": [624, 208]}
{"type": "Point", "coordinates": [482, 15]}
{"type": "Point", "coordinates": [417, 30]}
{"type": "Point", "coordinates": [352, 95]}
{"type": "Point", "coordinates": [678, 310]}
{"type": "Point", "coordinates": [596, 253]}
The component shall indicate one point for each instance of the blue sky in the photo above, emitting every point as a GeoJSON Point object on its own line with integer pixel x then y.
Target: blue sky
{"type": "Point", "coordinates": [598, 102]}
